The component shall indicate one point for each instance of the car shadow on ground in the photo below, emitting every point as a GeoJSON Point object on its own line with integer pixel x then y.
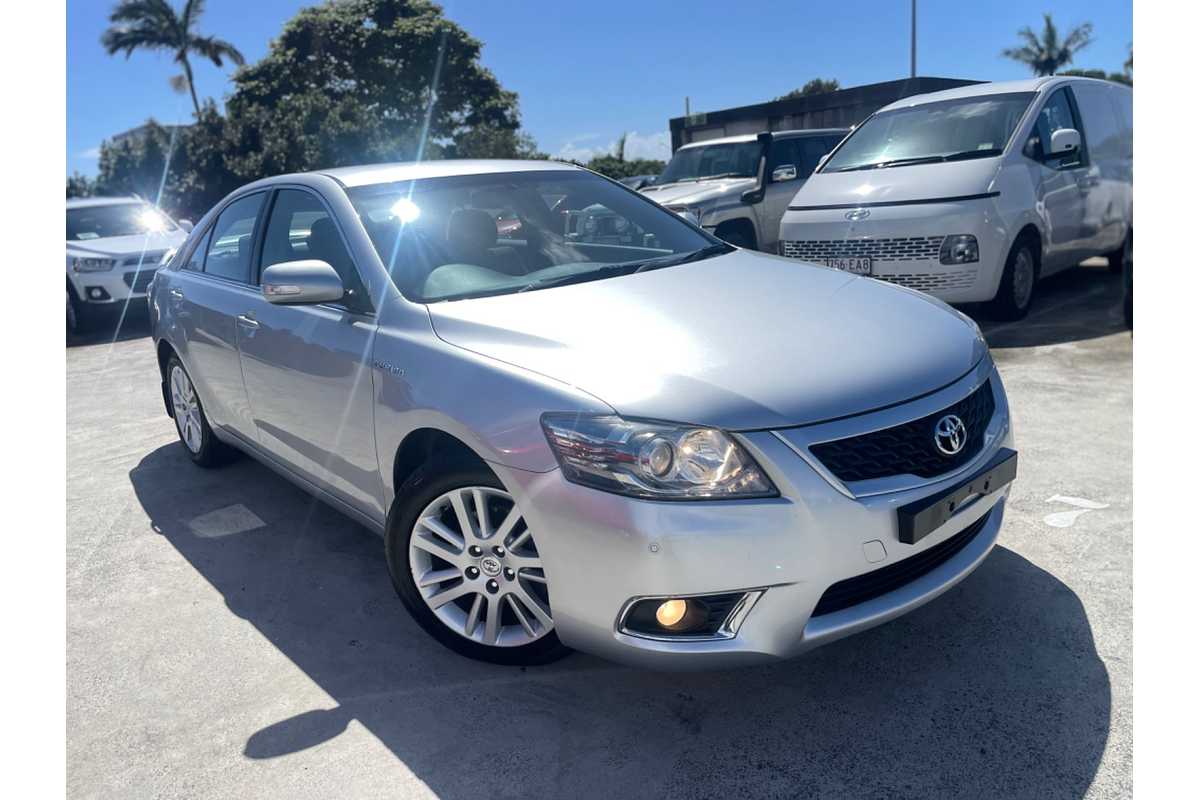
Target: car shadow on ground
{"type": "Point", "coordinates": [994, 689]}
{"type": "Point", "coordinates": [1085, 302]}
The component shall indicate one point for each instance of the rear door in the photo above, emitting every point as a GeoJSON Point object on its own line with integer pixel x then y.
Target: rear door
{"type": "Point", "coordinates": [307, 367]}
{"type": "Point", "coordinates": [1105, 199]}
{"type": "Point", "coordinates": [207, 295]}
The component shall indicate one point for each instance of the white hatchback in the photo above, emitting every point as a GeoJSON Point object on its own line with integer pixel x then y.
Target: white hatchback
{"type": "Point", "coordinates": [974, 193]}
{"type": "Point", "coordinates": [114, 247]}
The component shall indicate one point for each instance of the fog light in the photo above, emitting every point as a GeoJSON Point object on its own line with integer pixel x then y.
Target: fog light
{"type": "Point", "coordinates": [96, 293]}
{"type": "Point", "coordinates": [671, 612]}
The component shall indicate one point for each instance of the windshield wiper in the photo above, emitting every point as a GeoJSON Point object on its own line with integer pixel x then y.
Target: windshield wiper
{"type": "Point", "coordinates": [718, 248]}
{"type": "Point", "coordinates": [962, 155]}
{"type": "Point", "coordinates": [577, 277]}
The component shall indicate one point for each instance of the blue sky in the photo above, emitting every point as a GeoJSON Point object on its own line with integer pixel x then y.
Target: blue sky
{"type": "Point", "coordinates": [586, 72]}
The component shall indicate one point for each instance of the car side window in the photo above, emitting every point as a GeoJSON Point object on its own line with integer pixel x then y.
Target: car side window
{"type": "Point", "coordinates": [232, 239]}
{"type": "Point", "coordinates": [811, 150]}
{"type": "Point", "coordinates": [195, 261]}
{"type": "Point", "coordinates": [1055, 115]}
{"type": "Point", "coordinates": [783, 151]}
{"type": "Point", "coordinates": [300, 228]}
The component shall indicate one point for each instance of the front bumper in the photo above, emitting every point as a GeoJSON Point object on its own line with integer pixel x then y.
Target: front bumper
{"type": "Point", "coordinates": [601, 550]}
{"type": "Point", "coordinates": [953, 283]}
{"type": "Point", "coordinates": [114, 286]}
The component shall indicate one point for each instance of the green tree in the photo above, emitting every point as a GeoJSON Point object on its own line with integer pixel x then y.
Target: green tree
{"type": "Point", "coordinates": [155, 25]}
{"type": "Point", "coordinates": [1047, 54]}
{"type": "Point", "coordinates": [80, 185]}
{"type": "Point", "coordinates": [369, 80]}
{"type": "Point", "coordinates": [815, 86]}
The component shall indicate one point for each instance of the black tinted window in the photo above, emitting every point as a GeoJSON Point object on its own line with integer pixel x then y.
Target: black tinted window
{"type": "Point", "coordinates": [301, 228]}
{"type": "Point", "coordinates": [232, 239]}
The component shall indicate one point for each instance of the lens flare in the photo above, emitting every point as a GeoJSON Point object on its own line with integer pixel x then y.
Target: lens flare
{"type": "Point", "coordinates": [405, 210]}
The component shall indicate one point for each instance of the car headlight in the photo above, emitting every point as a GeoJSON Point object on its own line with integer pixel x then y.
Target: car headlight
{"type": "Point", "coordinates": [688, 212]}
{"type": "Point", "coordinates": [93, 264]}
{"type": "Point", "coordinates": [653, 460]}
{"type": "Point", "coordinates": [960, 249]}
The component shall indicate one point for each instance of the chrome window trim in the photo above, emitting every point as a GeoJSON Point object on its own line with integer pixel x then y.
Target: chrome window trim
{"type": "Point", "coordinates": [800, 439]}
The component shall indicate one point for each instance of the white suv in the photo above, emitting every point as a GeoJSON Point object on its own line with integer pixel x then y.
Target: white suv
{"type": "Point", "coordinates": [114, 246]}
{"type": "Point", "coordinates": [975, 193]}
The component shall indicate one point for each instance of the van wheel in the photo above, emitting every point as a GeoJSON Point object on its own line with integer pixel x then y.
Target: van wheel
{"type": "Point", "coordinates": [466, 565]}
{"type": "Point", "coordinates": [1018, 284]}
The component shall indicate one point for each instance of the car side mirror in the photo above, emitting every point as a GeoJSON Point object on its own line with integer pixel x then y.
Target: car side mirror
{"type": "Point", "coordinates": [301, 282]}
{"type": "Point", "coordinates": [186, 224]}
{"type": "Point", "coordinates": [784, 172]}
{"type": "Point", "coordinates": [1064, 142]}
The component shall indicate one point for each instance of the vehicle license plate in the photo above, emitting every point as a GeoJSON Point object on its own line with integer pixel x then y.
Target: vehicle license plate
{"type": "Point", "coordinates": [926, 515]}
{"type": "Point", "coordinates": [858, 266]}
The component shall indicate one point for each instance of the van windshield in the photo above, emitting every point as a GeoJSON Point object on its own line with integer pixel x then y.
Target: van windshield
{"type": "Point", "coordinates": [949, 130]}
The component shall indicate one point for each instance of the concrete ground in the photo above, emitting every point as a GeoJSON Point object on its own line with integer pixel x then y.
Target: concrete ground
{"type": "Point", "coordinates": [229, 637]}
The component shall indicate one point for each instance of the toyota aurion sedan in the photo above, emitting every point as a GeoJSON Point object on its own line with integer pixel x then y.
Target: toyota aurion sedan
{"type": "Point", "coordinates": [667, 451]}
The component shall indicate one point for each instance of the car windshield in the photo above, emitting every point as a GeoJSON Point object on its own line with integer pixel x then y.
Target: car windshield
{"type": "Point", "coordinates": [949, 130]}
{"type": "Point", "coordinates": [470, 236]}
{"type": "Point", "coordinates": [728, 160]}
{"type": "Point", "coordinates": [119, 219]}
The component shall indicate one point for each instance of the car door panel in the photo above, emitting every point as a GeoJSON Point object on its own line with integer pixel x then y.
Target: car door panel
{"type": "Point", "coordinates": [1062, 185]}
{"type": "Point", "coordinates": [306, 368]}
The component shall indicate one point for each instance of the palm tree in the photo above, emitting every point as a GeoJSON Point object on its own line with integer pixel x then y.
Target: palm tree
{"type": "Point", "coordinates": [1046, 55]}
{"type": "Point", "coordinates": [154, 25]}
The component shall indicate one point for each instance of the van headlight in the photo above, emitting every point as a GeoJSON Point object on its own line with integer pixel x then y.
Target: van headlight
{"type": "Point", "coordinates": [960, 249]}
{"type": "Point", "coordinates": [653, 460]}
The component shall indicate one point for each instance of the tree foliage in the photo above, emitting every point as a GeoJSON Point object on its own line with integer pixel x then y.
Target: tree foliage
{"type": "Point", "coordinates": [1046, 53]}
{"type": "Point", "coordinates": [815, 86]}
{"type": "Point", "coordinates": [353, 82]}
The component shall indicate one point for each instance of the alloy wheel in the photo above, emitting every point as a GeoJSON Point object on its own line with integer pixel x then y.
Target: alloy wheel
{"type": "Point", "coordinates": [187, 409]}
{"type": "Point", "coordinates": [476, 566]}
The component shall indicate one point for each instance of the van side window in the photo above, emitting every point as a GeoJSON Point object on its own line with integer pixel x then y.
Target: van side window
{"type": "Point", "coordinates": [1056, 114]}
{"type": "Point", "coordinates": [232, 240]}
{"type": "Point", "coordinates": [1103, 132]}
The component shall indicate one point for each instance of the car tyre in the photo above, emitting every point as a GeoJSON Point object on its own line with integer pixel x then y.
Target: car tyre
{"type": "Point", "coordinates": [79, 317]}
{"type": "Point", "coordinates": [408, 540]}
{"type": "Point", "coordinates": [1117, 258]}
{"type": "Point", "coordinates": [1018, 284]}
{"type": "Point", "coordinates": [191, 423]}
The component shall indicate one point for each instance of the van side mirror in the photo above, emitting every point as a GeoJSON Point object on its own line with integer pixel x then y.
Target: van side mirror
{"type": "Point", "coordinates": [784, 172]}
{"type": "Point", "coordinates": [301, 282]}
{"type": "Point", "coordinates": [186, 224]}
{"type": "Point", "coordinates": [1064, 142]}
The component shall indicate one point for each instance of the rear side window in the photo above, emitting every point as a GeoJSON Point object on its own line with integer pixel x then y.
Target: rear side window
{"type": "Point", "coordinates": [300, 228]}
{"type": "Point", "coordinates": [1103, 132]}
{"type": "Point", "coordinates": [195, 261]}
{"type": "Point", "coordinates": [232, 239]}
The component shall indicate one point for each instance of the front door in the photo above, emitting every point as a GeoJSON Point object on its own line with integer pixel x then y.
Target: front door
{"type": "Point", "coordinates": [1063, 183]}
{"type": "Point", "coordinates": [307, 367]}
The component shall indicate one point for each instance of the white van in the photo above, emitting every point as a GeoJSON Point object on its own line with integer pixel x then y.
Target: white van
{"type": "Point", "coordinates": [973, 194]}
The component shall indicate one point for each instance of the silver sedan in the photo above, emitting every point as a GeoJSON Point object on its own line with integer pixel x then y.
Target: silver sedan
{"type": "Point", "coordinates": [630, 439]}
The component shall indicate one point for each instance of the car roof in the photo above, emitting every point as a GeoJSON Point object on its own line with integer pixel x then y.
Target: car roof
{"type": "Point", "coordinates": [750, 137]}
{"type": "Point", "coordinates": [85, 202]}
{"type": "Point", "coordinates": [368, 174]}
{"type": "Point", "coordinates": [1045, 83]}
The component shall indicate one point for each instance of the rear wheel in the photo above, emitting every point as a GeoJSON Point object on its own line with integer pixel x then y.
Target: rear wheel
{"type": "Point", "coordinates": [1018, 283]}
{"type": "Point", "coordinates": [195, 433]}
{"type": "Point", "coordinates": [466, 565]}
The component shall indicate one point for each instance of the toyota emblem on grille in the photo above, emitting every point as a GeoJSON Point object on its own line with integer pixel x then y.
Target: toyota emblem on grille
{"type": "Point", "coordinates": [949, 435]}
{"type": "Point", "coordinates": [857, 214]}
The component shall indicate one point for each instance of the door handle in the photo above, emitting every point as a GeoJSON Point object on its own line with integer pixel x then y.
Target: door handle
{"type": "Point", "coordinates": [176, 293]}
{"type": "Point", "coordinates": [247, 320]}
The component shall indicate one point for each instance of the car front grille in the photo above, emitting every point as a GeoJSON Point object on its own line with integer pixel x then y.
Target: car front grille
{"type": "Point", "coordinates": [909, 448]}
{"type": "Point", "coordinates": [139, 281]}
{"type": "Point", "coordinates": [934, 281]}
{"type": "Point", "coordinates": [877, 583]}
{"type": "Point", "coordinates": [148, 259]}
{"type": "Point", "coordinates": [909, 248]}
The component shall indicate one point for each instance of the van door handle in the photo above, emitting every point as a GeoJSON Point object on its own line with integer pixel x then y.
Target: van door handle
{"type": "Point", "coordinates": [247, 320]}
